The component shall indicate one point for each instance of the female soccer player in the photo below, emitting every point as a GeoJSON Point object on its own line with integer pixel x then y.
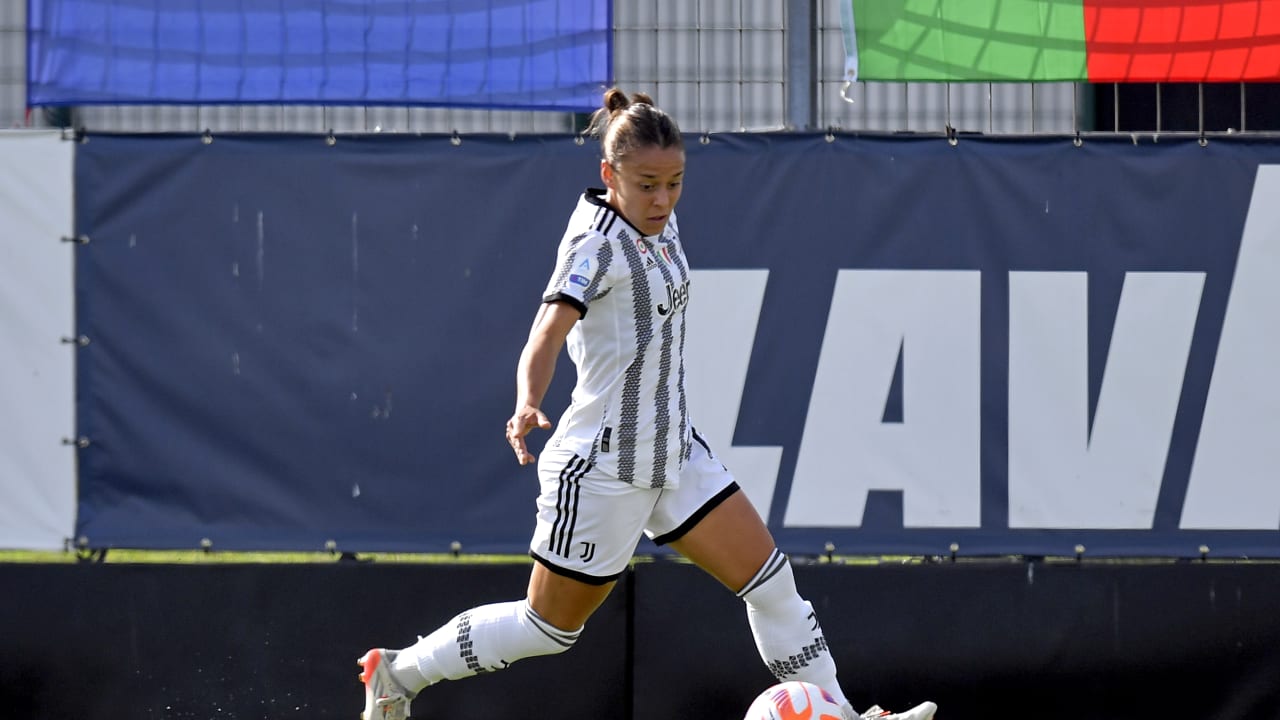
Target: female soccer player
{"type": "Point", "coordinates": [625, 457]}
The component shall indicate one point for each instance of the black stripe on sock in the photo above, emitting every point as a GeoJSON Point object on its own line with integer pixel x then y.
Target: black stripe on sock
{"type": "Point", "coordinates": [772, 567]}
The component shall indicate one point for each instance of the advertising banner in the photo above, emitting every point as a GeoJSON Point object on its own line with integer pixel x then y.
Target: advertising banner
{"type": "Point", "coordinates": [897, 345]}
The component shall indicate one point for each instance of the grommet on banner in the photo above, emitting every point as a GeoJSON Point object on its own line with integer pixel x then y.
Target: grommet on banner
{"type": "Point", "coordinates": [1077, 140]}
{"type": "Point", "coordinates": [1204, 553]}
{"type": "Point", "coordinates": [829, 548]}
{"type": "Point", "coordinates": [705, 139]}
{"type": "Point", "coordinates": [78, 239]}
{"type": "Point", "coordinates": [206, 137]}
{"type": "Point", "coordinates": [831, 134]}
{"type": "Point", "coordinates": [1079, 553]}
{"type": "Point", "coordinates": [455, 547]}
{"type": "Point", "coordinates": [953, 138]}
{"type": "Point", "coordinates": [455, 139]}
{"type": "Point", "coordinates": [330, 139]}
{"type": "Point", "coordinates": [331, 547]}
{"type": "Point", "coordinates": [955, 548]}
{"type": "Point", "coordinates": [80, 340]}
{"type": "Point", "coordinates": [579, 140]}
{"type": "Point", "coordinates": [1204, 141]}
{"type": "Point", "coordinates": [206, 545]}
{"type": "Point", "coordinates": [80, 442]}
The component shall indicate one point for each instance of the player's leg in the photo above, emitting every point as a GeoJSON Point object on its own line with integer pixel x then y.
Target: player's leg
{"type": "Point", "coordinates": [586, 532]}
{"type": "Point", "coordinates": [734, 546]}
{"type": "Point", "coordinates": [483, 639]}
{"type": "Point", "coordinates": [489, 638]}
{"type": "Point", "coordinates": [714, 525]}
{"type": "Point", "coordinates": [730, 542]}
{"type": "Point", "coordinates": [564, 602]}
{"type": "Point", "coordinates": [717, 527]}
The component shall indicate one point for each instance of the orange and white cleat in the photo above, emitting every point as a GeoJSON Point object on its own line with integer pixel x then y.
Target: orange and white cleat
{"type": "Point", "coordinates": [384, 698]}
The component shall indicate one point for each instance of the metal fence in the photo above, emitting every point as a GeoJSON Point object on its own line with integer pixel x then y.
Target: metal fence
{"type": "Point", "coordinates": [717, 66]}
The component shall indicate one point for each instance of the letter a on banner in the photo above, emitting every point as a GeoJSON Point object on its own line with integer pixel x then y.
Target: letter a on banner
{"type": "Point", "coordinates": [932, 455]}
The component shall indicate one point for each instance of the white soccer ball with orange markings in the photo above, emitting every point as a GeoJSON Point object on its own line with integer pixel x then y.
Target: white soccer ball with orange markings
{"type": "Point", "coordinates": [794, 700]}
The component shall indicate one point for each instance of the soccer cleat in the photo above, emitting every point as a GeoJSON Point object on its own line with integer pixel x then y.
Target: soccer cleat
{"type": "Point", "coordinates": [923, 711]}
{"type": "Point", "coordinates": [384, 698]}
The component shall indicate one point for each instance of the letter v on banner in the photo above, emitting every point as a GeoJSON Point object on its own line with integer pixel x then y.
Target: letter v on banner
{"type": "Point", "coordinates": [1064, 473]}
{"type": "Point", "coordinates": [1233, 476]}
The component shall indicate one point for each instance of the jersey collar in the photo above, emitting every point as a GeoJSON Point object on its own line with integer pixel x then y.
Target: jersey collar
{"type": "Point", "coordinates": [595, 196]}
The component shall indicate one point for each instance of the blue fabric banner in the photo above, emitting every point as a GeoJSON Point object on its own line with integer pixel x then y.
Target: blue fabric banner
{"type": "Point", "coordinates": [1016, 346]}
{"type": "Point", "coordinates": [514, 54]}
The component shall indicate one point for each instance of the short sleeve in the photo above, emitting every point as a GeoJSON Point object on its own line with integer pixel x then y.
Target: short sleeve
{"type": "Point", "coordinates": [582, 271]}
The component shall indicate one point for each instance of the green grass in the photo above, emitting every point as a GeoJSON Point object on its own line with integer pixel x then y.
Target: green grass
{"type": "Point", "coordinates": [200, 557]}
{"type": "Point", "coordinates": [212, 557]}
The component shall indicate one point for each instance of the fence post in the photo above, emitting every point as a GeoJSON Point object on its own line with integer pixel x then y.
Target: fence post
{"type": "Point", "coordinates": [801, 80]}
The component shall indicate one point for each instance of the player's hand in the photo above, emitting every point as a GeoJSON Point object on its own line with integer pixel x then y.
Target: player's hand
{"type": "Point", "coordinates": [525, 419]}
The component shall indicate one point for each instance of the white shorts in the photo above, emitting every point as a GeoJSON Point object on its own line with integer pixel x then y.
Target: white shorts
{"type": "Point", "coordinates": [589, 523]}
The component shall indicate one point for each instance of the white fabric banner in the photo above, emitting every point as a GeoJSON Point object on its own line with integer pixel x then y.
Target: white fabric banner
{"type": "Point", "coordinates": [37, 377]}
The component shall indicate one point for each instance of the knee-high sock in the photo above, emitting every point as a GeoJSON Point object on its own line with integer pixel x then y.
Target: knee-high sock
{"type": "Point", "coordinates": [480, 640]}
{"type": "Point", "coordinates": [786, 628]}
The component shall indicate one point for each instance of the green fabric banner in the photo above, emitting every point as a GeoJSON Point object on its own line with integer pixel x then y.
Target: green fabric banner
{"type": "Point", "coordinates": [1062, 40]}
{"type": "Point", "coordinates": [980, 40]}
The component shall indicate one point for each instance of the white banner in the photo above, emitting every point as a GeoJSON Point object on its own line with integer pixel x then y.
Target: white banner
{"type": "Point", "coordinates": [37, 472]}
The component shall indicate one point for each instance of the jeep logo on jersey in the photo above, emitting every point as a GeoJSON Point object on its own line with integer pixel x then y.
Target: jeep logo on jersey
{"type": "Point", "coordinates": [677, 297]}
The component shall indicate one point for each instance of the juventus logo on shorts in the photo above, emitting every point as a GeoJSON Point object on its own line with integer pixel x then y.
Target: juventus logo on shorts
{"type": "Point", "coordinates": [588, 551]}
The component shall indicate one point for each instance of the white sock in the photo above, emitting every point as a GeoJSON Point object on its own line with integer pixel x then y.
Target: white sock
{"type": "Point", "coordinates": [480, 640]}
{"type": "Point", "coordinates": [786, 628]}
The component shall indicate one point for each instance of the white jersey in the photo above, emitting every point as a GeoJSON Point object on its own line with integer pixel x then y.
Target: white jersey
{"type": "Point", "coordinates": [628, 415]}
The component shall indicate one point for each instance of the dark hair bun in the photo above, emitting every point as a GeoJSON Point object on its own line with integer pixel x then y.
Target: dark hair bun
{"type": "Point", "coordinates": [615, 101]}
{"type": "Point", "coordinates": [625, 123]}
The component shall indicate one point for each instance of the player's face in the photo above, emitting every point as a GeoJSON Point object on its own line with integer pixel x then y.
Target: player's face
{"type": "Point", "coordinates": [645, 185]}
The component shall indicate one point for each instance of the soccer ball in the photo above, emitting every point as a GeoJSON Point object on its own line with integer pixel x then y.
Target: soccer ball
{"type": "Point", "coordinates": [794, 700]}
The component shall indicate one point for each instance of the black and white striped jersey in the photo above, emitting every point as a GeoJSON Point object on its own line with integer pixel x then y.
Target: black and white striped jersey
{"type": "Point", "coordinates": [628, 414]}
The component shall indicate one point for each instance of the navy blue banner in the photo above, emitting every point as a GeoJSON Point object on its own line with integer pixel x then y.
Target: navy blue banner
{"type": "Point", "coordinates": [1012, 346]}
{"type": "Point", "coordinates": [516, 54]}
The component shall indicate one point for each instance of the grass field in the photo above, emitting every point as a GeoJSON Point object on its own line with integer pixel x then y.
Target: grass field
{"type": "Point", "coordinates": [195, 556]}
{"type": "Point", "coordinates": [202, 557]}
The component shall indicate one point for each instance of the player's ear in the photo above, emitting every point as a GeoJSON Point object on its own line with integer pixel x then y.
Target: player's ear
{"type": "Point", "coordinates": [607, 174]}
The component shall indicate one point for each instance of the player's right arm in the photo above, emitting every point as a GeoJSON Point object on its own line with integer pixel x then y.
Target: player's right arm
{"type": "Point", "coordinates": [534, 372]}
